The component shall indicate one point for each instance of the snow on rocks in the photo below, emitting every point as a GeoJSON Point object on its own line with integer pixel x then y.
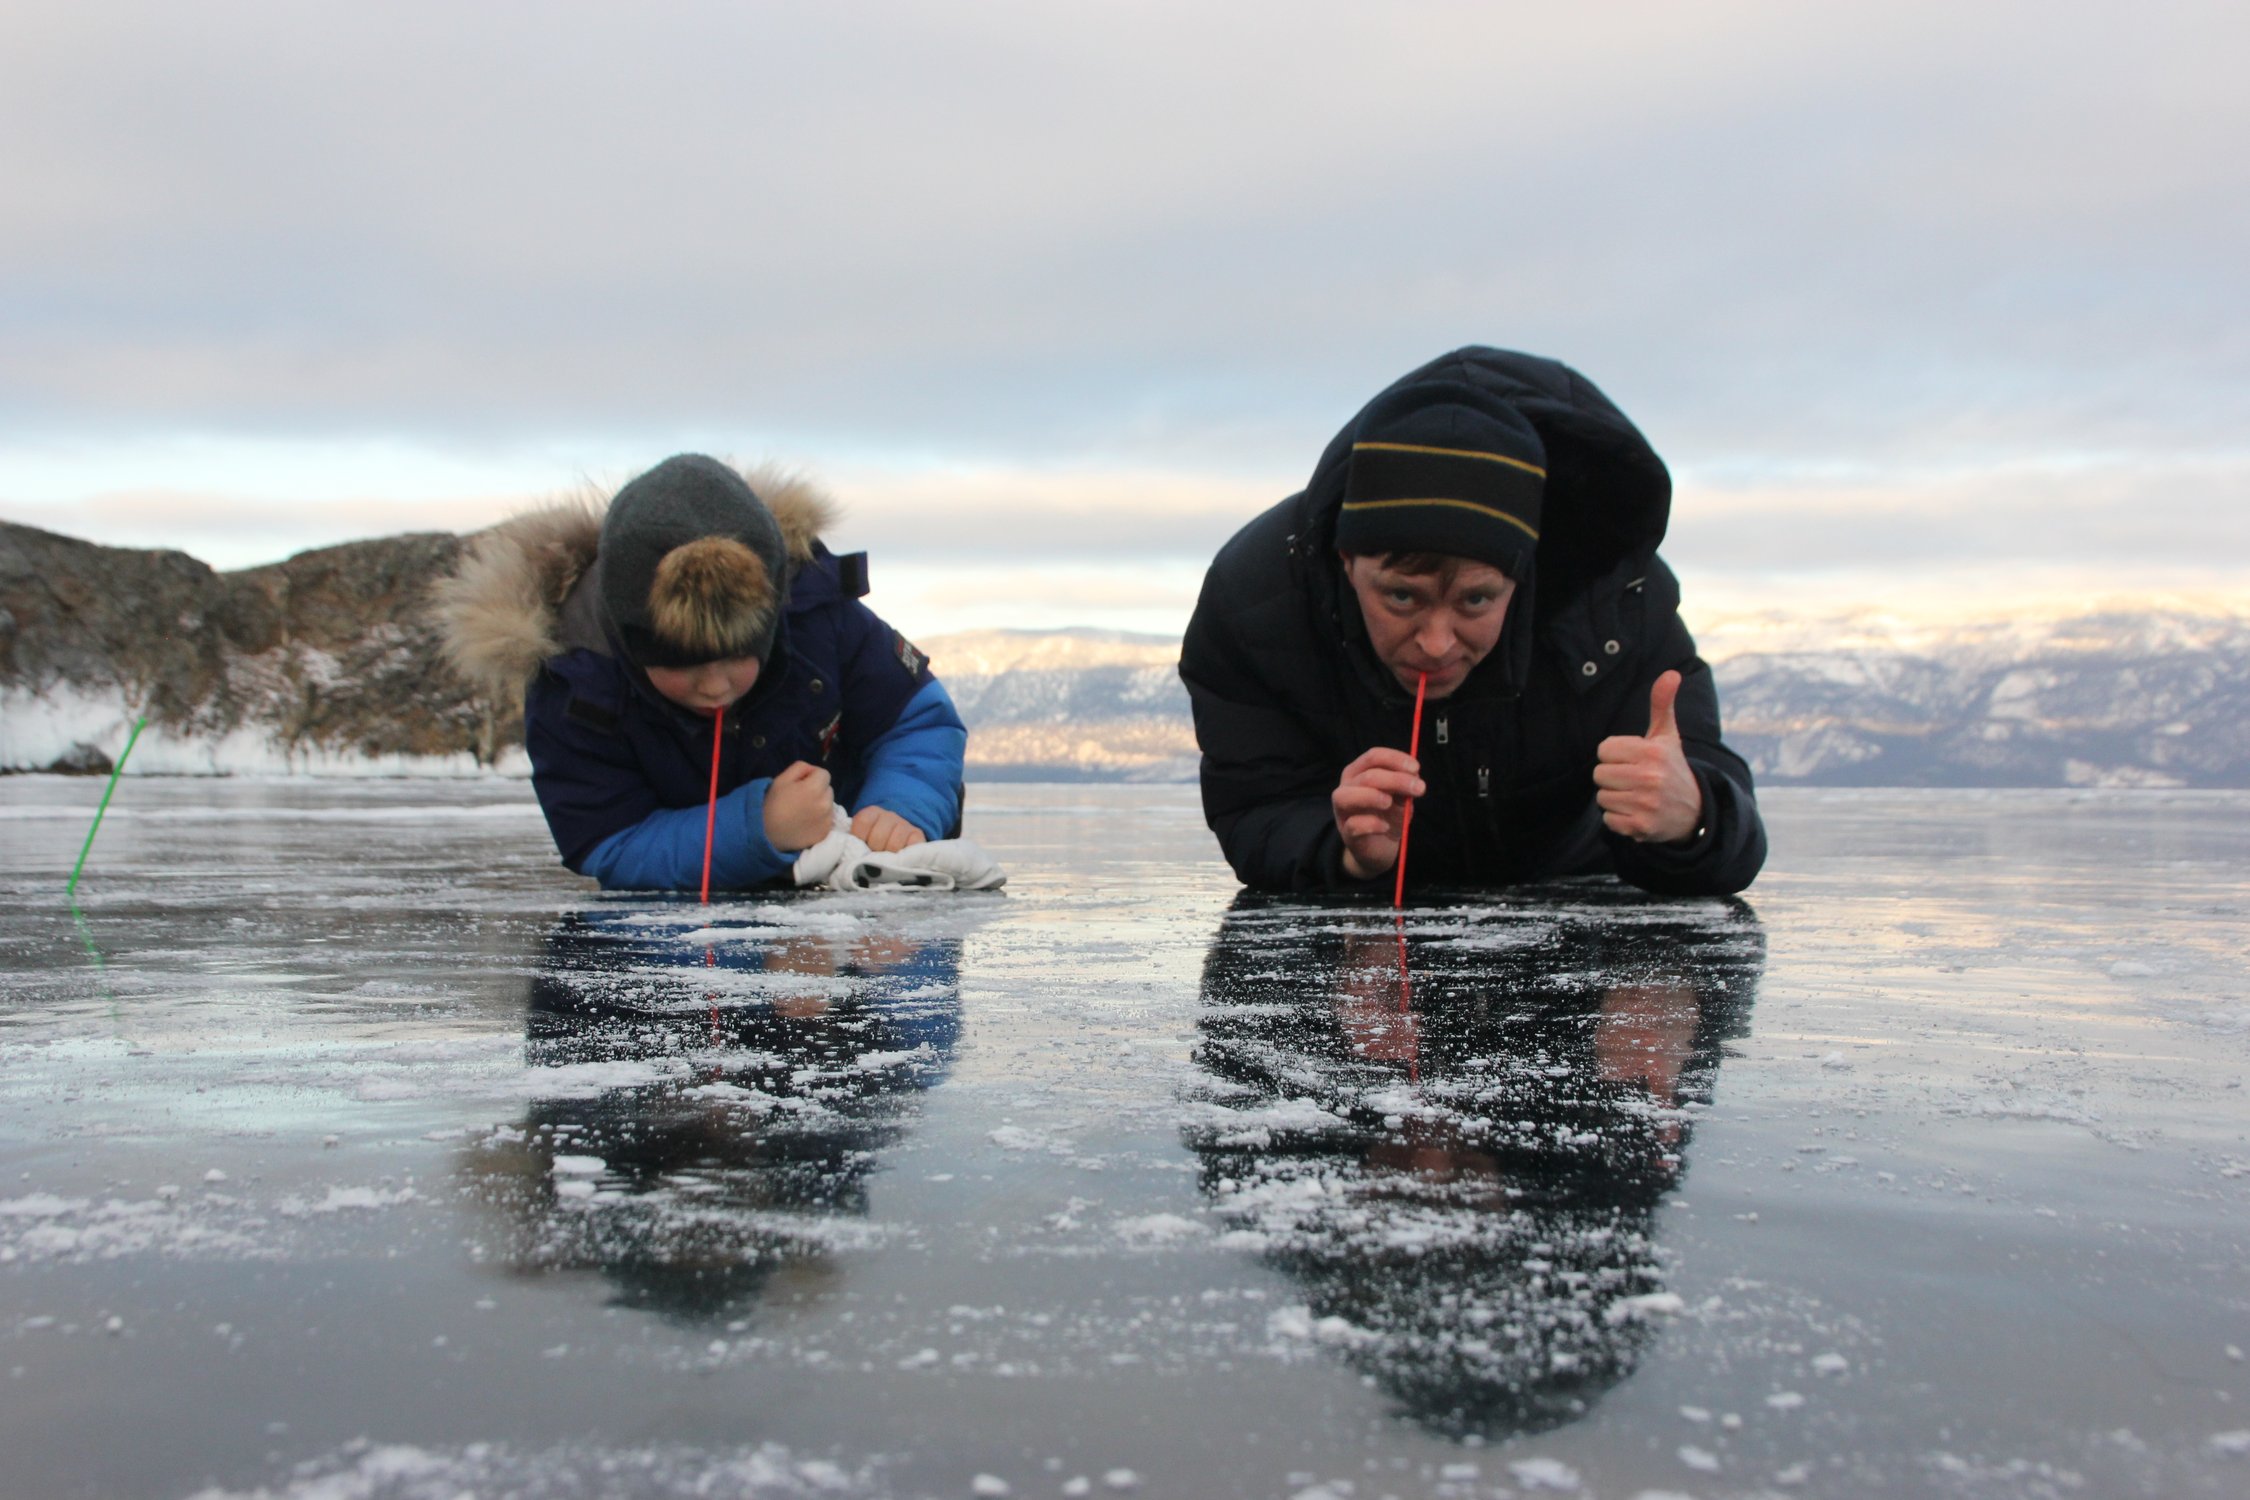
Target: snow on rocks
{"type": "Point", "coordinates": [1298, 1324]}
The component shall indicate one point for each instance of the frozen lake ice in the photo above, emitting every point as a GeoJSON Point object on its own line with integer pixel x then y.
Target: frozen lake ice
{"type": "Point", "coordinates": [351, 1148]}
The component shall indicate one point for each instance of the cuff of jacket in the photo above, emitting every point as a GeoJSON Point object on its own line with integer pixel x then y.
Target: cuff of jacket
{"type": "Point", "coordinates": [1337, 878]}
{"type": "Point", "coordinates": [915, 768]}
{"type": "Point", "coordinates": [664, 851]}
{"type": "Point", "coordinates": [749, 858]}
{"type": "Point", "coordinates": [1717, 860]}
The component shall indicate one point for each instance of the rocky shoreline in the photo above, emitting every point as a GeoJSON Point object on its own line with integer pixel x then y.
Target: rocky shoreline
{"type": "Point", "coordinates": [328, 664]}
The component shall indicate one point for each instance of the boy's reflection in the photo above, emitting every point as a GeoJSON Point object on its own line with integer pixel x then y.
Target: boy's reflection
{"type": "Point", "coordinates": [1460, 1158]}
{"type": "Point", "coordinates": [718, 1101]}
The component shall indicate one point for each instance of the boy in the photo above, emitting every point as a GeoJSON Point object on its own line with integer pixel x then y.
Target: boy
{"type": "Point", "coordinates": [697, 636]}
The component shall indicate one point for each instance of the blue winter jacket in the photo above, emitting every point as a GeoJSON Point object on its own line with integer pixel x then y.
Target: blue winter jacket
{"type": "Point", "coordinates": [623, 773]}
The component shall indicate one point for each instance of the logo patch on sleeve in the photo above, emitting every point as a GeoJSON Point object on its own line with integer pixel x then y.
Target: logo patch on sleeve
{"type": "Point", "coordinates": [909, 656]}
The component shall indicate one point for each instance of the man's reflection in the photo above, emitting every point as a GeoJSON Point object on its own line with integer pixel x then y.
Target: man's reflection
{"type": "Point", "coordinates": [716, 1102]}
{"type": "Point", "coordinates": [1454, 1132]}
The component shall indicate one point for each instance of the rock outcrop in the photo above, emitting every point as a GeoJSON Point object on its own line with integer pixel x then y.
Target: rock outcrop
{"type": "Point", "coordinates": [320, 662]}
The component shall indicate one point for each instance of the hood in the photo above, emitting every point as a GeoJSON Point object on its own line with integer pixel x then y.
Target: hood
{"type": "Point", "coordinates": [499, 614]}
{"type": "Point", "coordinates": [1607, 494]}
{"type": "Point", "coordinates": [1606, 500]}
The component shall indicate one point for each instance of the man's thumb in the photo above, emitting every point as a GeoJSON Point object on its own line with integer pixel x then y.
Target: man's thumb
{"type": "Point", "coordinates": [1661, 724]}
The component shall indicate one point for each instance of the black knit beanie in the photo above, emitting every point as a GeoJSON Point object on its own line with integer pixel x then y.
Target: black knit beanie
{"type": "Point", "coordinates": [1444, 477]}
{"type": "Point", "coordinates": [694, 568]}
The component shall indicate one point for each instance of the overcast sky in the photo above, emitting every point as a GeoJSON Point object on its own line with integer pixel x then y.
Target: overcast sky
{"type": "Point", "coordinates": [1940, 302]}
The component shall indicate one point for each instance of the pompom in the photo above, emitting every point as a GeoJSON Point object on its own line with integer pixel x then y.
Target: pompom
{"type": "Point", "coordinates": [711, 598]}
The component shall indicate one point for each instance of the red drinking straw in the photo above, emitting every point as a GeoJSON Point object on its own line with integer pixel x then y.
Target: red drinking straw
{"type": "Point", "coordinates": [1406, 824]}
{"type": "Point", "coordinates": [718, 729]}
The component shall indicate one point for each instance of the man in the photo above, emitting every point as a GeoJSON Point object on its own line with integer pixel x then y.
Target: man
{"type": "Point", "coordinates": [1486, 527]}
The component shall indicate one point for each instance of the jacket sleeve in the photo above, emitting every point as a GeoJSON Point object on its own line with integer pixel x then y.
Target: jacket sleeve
{"type": "Point", "coordinates": [1729, 845]}
{"type": "Point", "coordinates": [1266, 780]}
{"type": "Point", "coordinates": [915, 767]}
{"type": "Point", "coordinates": [664, 851]}
{"type": "Point", "coordinates": [1266, 795]}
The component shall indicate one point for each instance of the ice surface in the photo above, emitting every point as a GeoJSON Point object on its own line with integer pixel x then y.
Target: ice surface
{"type": "Point", "coordinates": [350, 1148]}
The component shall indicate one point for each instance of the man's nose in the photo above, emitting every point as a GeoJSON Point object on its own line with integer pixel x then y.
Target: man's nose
{"type": "Point", "coordinates": [1435, 637]}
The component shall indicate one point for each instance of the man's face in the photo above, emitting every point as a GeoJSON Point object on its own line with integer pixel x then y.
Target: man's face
{"type": "Point", "coordinates": [708, 688]}
{"type": "Point", "coordinates": [1442, 623]}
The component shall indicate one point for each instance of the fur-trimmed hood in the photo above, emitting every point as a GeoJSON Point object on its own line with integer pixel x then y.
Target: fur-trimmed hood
{"type": "Point", "coordinates": [499, 613]}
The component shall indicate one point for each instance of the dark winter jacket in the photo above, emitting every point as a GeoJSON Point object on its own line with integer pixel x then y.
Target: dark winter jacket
{"type": "Point", "coordinates": [1287, 690]}
{"type": "Point", "coordinates": [624, 774]}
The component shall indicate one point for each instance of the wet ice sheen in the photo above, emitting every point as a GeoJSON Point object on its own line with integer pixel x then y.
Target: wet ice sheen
{"type": "Point", "coordinates": [348, 1148]}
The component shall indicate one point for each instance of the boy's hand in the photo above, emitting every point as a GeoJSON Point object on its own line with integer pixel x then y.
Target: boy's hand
{"type": "Point", "coordinates": [800, 809]}
{"type": "Point", "coordinates": [1369, 806]}
{"type": "Point", "coordinates": [884, 831]}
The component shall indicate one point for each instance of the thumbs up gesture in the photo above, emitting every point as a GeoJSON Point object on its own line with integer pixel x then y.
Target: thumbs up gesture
{"type": "Point", "coordinates": [1643, 783]}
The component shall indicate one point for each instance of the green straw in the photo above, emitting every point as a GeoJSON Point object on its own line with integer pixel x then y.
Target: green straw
{"type": "Point", "coordinates": [107, 792]}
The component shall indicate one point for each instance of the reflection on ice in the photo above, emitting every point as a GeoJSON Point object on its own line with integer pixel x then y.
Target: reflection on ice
{"type": "Point", "coordinates": [343, 1127]}
{"type": "Point", "coordinates": [759, 1073]}
{"type": "Point", "coordinates": [1453, 1131]}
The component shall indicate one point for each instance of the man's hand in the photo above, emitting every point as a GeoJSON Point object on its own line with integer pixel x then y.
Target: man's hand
{"type": "Point", "coordinates": [1369, 805]}
{"type": "Point", "coordinates": [800, 809]}
{"type": "Point", "coordinates": [884, 831]}
{"type": "Point", "coordinates": [1646, 789]}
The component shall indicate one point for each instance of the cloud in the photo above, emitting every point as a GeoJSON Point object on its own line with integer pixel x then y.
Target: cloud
{"type": "Point", "coordinates": [935, 599]}
{"type": "Point", "coordinates": [1003, 516]}
{"type": "Point", "coordinates": [1117, 229]}
{"type": "Point", "coordinates": [294, 497]}
{"type": "Point", "coordinates": [1084, 286]}
{"type": "Point", "coordinates": [2128, 518]}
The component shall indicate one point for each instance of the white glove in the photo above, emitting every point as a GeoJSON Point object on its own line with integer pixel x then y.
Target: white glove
{"type": "Point", "coordinates": [940, 865]}
{"type": "Point", "coordinates": [823, 863]}
{"type": "Point", "coordinates": [844, 863]}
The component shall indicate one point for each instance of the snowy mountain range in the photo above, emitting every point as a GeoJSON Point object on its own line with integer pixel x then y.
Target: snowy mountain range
{"type": "Point", "coordinates": [327, 664]}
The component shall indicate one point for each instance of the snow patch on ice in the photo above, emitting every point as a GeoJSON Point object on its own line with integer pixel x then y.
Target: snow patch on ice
{"type": "Point", "coordinates": [78, 1231]}
{"type": "Point", "coordinates": [1256, 1127]}
{"type": "Point", "coordinates": [1148, 1231]}
{"type": "Point", "coordinates": [1017, 1138]}
{"type": "Point", "coordinates": [402, 1471]}
{"type": "Point", "coordinates": [40, 1206]}
{"type": "Point", "coordinates": [1544, 1474]}
{"type": "Point", "coordinates": [1645, 1308]}
{"type": "Point", "coordinates": [339, 1199]}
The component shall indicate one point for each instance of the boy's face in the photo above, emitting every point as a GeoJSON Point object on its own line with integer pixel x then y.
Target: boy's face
{"type": "Point", "coordinates": [707, 688]}
{"type": "Point", "coordinates": [1442, 623]}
